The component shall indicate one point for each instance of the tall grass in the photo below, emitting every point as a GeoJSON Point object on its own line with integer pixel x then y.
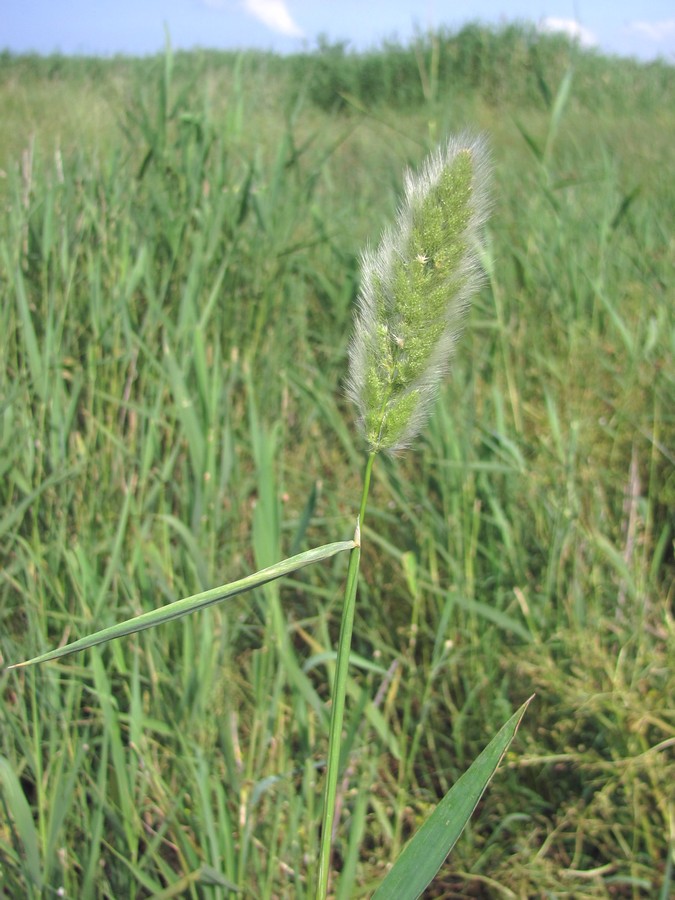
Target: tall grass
{"type": "Point", "coordinates": [512, 63]}
{"type": "Point", "coordinates": [176, 302]}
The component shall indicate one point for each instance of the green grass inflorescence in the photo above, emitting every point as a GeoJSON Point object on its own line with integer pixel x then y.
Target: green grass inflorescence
{"type": "Point", "coordinates": [415, 292]}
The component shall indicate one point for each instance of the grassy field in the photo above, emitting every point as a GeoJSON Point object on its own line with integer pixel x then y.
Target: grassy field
{"type": "Point", "coordinates": [179, 256]}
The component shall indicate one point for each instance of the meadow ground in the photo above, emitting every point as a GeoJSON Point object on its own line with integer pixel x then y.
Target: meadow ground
{"type": "Point", "coordinates": [179, 252]}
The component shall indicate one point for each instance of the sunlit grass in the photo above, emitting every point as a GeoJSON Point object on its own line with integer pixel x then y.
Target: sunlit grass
{"type": "Point", "coordinates": [172, 416]}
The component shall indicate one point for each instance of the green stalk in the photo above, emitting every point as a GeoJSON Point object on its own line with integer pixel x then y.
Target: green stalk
{"type": "Point", "coordinates": [339, 692]}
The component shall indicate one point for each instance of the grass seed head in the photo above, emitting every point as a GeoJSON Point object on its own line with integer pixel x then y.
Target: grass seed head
{"type": "Point", "coordinates": [415, 291]}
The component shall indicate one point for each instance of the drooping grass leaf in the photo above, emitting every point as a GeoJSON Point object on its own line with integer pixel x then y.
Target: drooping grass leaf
{"type": "Point", "coordinates": [183, 607]}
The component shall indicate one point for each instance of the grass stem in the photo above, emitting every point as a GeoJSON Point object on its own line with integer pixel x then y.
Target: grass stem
{"type": "Point", "coordinates": [339, 691]}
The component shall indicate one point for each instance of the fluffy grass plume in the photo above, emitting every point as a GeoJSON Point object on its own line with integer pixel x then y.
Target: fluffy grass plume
{"type": "Point", "coordinates": [415, 291]}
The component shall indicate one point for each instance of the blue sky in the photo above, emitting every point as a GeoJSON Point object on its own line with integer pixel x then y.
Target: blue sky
{"type": "Point", "coordinates": [643, 29]}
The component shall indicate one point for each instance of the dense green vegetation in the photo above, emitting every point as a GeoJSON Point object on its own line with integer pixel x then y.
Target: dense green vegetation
{"type": "Point", "coordinates": [179, 250]}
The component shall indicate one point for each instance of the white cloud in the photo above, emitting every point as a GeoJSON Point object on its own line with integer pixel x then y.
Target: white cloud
{"type": "Point", "coordinates": [569, 27]}
{"type": "Point", "coordinates": [275, 15]}
{"type": "Point", "coordinates": [654, 31]}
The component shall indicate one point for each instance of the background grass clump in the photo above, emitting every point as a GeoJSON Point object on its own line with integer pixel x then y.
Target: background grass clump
{"type": "Point", "coordinates": [179, 247]}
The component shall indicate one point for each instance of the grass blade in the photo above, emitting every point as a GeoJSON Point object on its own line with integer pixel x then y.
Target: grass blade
{"type": "Point", "coordinates": [191, 604]}
{"type": "Point", "coordinates": [424, 854]}
{"type": "Point", "coordinates": [17, 806]}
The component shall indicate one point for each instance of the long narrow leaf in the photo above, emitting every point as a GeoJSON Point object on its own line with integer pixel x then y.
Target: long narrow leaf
{"type": "Point", "coordinates": [423, 856]}
{"type": "Point", "coordinates": [191, 604]}
{"type": "Point", "coordinates": [17, 806]}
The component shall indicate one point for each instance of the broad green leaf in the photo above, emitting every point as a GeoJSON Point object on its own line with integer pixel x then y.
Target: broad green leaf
{"type": "Point", "coordinates": [423, 856]}
{"type": "Point", "coordinates": [191, 604]}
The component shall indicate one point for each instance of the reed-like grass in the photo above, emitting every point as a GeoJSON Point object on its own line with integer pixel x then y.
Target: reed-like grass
{"type": "Point", "coordinates": [176, 305]}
